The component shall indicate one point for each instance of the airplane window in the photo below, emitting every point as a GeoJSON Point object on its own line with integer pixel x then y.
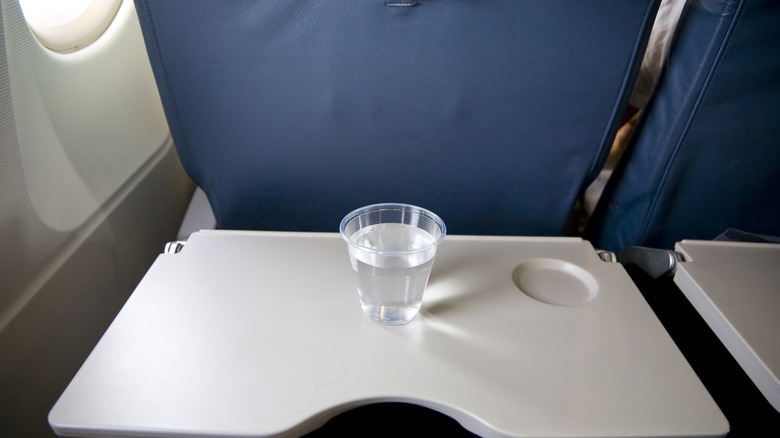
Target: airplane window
{"type": "Point", "coordinates": [65, 26]}
{"type": "Point", "coordinates": [85, 122]}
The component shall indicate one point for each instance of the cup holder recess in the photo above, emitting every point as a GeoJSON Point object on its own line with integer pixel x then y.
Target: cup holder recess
{"type": "Point", "coordinates": [555, 282]}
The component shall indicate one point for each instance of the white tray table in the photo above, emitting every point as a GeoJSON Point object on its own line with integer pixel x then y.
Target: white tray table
{"type": "Point", "coordinates": [735, 287]}
{"type": "Point", "coordinates": [261, 334]}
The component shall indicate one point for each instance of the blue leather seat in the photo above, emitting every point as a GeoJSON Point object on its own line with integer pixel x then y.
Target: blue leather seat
{"type": "Point", "coordinates": [495, 115]}
{"type": "Point", "coordinates": [706, 157]}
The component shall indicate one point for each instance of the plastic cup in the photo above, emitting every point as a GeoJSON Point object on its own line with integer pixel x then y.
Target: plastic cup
{"type": "Point", "coordinates": [392, 248]}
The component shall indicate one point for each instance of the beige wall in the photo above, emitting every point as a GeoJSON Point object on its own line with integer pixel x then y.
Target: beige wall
{"type": "Point", "coordinates": [90, 191]}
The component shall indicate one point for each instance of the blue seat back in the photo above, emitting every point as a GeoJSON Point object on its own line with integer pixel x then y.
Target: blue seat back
{"type": "Point", "coordinates": [494, 114]}
{"type": "Point", "coordinates": [706, 157]}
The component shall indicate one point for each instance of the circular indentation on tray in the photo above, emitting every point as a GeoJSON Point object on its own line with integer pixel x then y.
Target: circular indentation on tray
{"type": "Point", "coordinates": [556, 282]}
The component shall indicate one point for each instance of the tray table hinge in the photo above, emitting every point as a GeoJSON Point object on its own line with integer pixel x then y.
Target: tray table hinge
{"type": "Point", "coordinates": [607, 256]}
{"type": "Point", "coordinates": [174, 247]}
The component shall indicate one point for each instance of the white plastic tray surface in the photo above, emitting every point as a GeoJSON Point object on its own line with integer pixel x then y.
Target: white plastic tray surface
{"type": "Point", "coordinates": [736, 288]}
{"type": "Point", "coordinates": [261, 334]}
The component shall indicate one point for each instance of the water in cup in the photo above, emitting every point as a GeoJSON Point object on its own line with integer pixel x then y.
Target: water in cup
{"type": "Point", "coordinates": [391, 287]}
{"type": "Point", "coordinates": [392, 248]}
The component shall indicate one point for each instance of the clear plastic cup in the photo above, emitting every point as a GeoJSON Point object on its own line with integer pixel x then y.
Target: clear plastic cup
{"type": "Point", "coordinates": [392, 248]}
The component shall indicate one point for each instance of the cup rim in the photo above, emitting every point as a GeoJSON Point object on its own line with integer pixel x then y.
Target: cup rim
{"type": "Point", "coordinates": [392, 206]}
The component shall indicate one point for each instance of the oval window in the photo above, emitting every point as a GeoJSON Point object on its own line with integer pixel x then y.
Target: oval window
{"type": "Point", "coordinates": [68, 25]}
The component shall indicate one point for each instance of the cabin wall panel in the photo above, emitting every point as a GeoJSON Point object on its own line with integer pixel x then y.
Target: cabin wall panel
{"type": "Point", "coordinates": [91, 188]}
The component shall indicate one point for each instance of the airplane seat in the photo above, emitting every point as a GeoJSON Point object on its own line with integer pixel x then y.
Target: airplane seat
{"type": "Point", "coordinates": [495, 115]}
{"type": "Point", "coordinates": [706, 155]}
